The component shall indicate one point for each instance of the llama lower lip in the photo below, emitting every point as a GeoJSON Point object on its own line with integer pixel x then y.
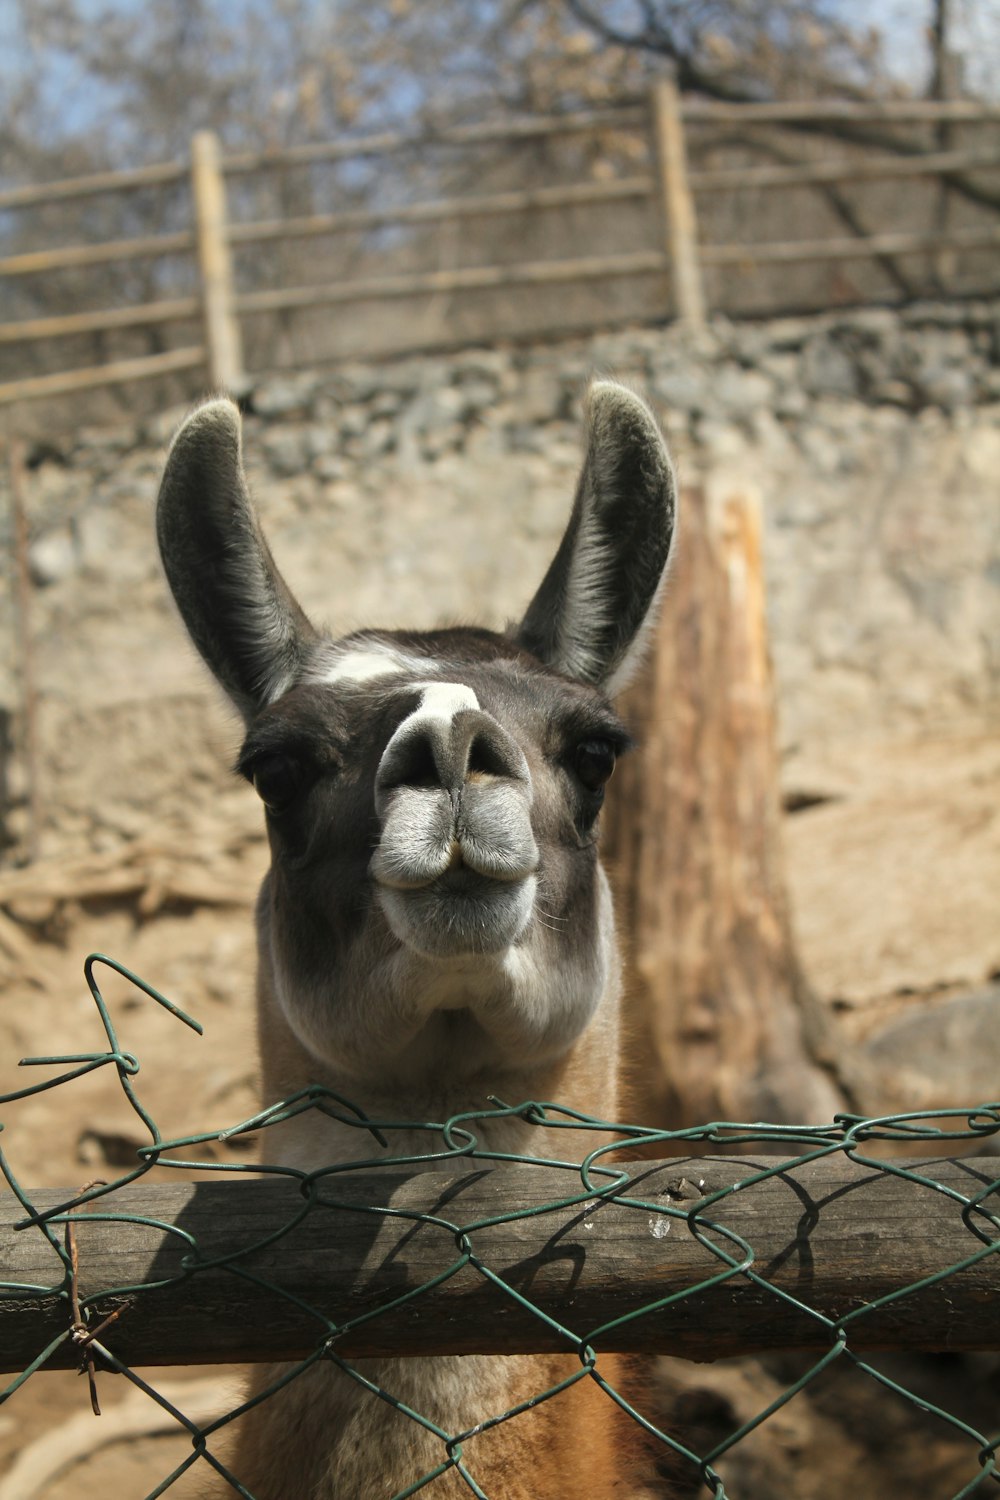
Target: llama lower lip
{"type": "Point", "coordinates": [460, 913]}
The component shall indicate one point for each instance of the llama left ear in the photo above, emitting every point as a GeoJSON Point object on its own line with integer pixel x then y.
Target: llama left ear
{"type": "Point", "coordinates": [599, 596]}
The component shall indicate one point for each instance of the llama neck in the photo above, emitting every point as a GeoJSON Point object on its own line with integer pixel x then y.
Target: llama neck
{"type": "Point", "coordinates": [583, 1078]}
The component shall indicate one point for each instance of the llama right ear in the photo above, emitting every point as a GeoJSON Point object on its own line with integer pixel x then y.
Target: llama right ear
{"type": "Point", "coordinates": [238, 609]}
{"type": "Point", "coordinates": [596, 603]}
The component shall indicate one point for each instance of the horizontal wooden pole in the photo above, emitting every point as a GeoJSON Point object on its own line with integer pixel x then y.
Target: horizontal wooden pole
{"type": "Point", "coordinates": [32, 261]}
{"type": "Point", "coordinates": [834, 1234]}
{"type": "Point", "coordinates": [904, 243]}
{"type": "Point", "coordinates": [161, 174]}
{"type": "Point", "coordinates": [534, 127]}
{"type": "Point", "coordinates": [66, 382]}
{"type": "Point", "coordinates": [627, 115]}
{"type": "Point", "coordinates": [471, 279]}
{"type": "Point", "coordinates": [878, 168]}
{"type": "Point", "coordinates": [797, 110]}
{"type": "Point", "coordinates": [531, 199]}
{"type": "Point", "coordinates": [176, 310]}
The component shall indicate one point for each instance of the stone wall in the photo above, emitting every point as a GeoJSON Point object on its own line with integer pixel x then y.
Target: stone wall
{"type": "Point", "coordinates": [432, 489]}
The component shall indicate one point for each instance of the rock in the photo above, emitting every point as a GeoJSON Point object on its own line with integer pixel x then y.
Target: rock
{"type": "Point", "coordinates": [106, 439]}
{"type": "Point", "coordinates": [387, 403]}
{"type": "Point", "coordinates": [684, 390]}
{"type": "Point", "coordinates": [540, 398]}
{"type": "Point", "coordinates": [737, 392]}
{"type": "Point", "coordinates": [489, 365]}
{"type": "Point", "coordinates": [477, 394]}
{"type": "Point", "coordinates": [948, 386]}
{"type": "Point", "coordinates": [432, 424]}
{"type": "Point", "coordinates": [53, 557]}
{"type": "Point", "coordinates": [378, 438]}
{"type": "Point", "coordinates": [318, 440]}
{"type": "Point", "coordinates": [286, 449]}
{"type": "Point", "coordinates": [285, 396]}
{"type": "Point", "coordinates": [895, 393]}
{"type": "Point", "coordinates": [330, 467]}
{"type": "Point", "coordinates": [827, 369]}
{"type": "Point", "coordinates": [948, 1054]}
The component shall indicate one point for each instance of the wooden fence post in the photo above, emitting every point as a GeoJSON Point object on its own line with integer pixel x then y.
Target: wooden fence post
{"type": "Point", "coordinates": [676, 204]}
{"type": "Point", "coordinates": [222, 330]}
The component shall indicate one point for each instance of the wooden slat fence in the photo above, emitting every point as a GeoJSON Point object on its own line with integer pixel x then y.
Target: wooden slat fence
{"type": "Point", "coordinates": [677, 255]}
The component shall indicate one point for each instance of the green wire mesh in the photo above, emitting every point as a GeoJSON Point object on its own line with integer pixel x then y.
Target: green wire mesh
{"type": "Point", "coordinates": [589, 1180]}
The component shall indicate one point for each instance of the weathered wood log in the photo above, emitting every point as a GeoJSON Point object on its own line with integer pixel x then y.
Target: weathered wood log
{"type": "Point", "coordinates": [173, 310]}
{"type": "Point", "coordinates": [857, 169]}
{"type": "Point", "coordinates": [530, 200]}
{"type": "Point", "coordinates": [903, 242]}
{"type": "Point", "coordinates": [835, 1234]}
{"type": "Point", "coordinates": [728, 1026]}
{"type": "Point", "coordinates": [162, 174]}
{"type": "Point", "coordinates": [33, 262]}
{"type": "Point", "coordinates": [486, 133]}
{"type": "Point", "coordinates": [791, 111]}
{"type": "Point", "coordinates": [465, 279]}
{"type": "Point", "coordinates": [120, 372]}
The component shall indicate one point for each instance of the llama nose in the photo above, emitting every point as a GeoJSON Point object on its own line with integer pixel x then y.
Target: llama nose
{"type": "Point", "coordinates": [452, 788]}
{"type": "Point", "coordinates": [446, 754]}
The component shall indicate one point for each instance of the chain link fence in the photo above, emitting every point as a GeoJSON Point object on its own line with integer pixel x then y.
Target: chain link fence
{"type": "Point", "coordinates": [699, 1220]}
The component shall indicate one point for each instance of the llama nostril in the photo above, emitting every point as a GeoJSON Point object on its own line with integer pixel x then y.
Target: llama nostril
{"type": "Point", "coordinates": [411, 761]}
{"type": "Point", "coordinates": [490, 756]}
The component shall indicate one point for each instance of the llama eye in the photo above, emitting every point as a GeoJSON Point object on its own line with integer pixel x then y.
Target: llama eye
{"type": "Point", "coordinates": [593, 762]}
{"type": "Point", "coordinates": [277, 780]}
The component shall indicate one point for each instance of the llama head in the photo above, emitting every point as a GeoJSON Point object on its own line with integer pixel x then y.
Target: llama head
{"type": "Point", "coordinates": [435, 897]}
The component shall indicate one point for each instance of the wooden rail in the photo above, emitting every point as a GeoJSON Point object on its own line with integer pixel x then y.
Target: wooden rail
{"type": "Point", "coordinates": [830, 1238]}
{"type": "Point", "coordinates": [858, 169]}
{"type": "Point", "coordinates": [677, 254]}
{"type": "Point", "coordinates": [120, 371]}
{"type": "Point", "coordinates": [528, 200]}
{"type": "Point", "coordinates": [472, 279]}
{"type": "Point", "coordinates": [791, 111]}
{"type": "Point", "coordinates": [143, 315]}
{"type": "Point", "coordinates": [903, 243]}
{"type": "Point", "coordinates": [489, 133]}
{"type": "Point", "coordinates": [162, 174]}
{"type": "Point", "coordinates": [66, 257]}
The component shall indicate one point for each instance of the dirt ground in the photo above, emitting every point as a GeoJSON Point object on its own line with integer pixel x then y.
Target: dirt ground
{"type": "Point", "coordinates": [894, 868]}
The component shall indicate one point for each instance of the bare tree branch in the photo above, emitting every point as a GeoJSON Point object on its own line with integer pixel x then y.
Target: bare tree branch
{"type": "Point", "coordinates": [660, 37]}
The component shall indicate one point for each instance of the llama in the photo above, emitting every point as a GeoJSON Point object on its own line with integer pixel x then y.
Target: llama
{"type": "Point", "coordinates": [435, 926]}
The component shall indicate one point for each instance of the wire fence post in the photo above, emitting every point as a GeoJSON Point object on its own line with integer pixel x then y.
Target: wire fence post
{"type": "Point", "coordinates": [222, 330]}
{"type": "Point", "coordinates": [680, 226]}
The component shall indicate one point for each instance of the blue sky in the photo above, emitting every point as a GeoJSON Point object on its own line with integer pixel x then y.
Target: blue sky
{"type": "Point", "coordinates": [74, 98]}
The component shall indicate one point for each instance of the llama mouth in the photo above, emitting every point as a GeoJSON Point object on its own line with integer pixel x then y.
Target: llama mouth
{"type": "Point", "coordinates": [460, 913]}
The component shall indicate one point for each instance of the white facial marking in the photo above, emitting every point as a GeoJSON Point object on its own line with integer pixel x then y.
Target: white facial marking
{"type": "Point", "coordinates": [365, 665]}
{"type": "Point", "coordinates": [442, 701]}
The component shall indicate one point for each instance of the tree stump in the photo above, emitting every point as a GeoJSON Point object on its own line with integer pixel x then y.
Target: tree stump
{"type": "Point", "coordinates": [722, 1021]}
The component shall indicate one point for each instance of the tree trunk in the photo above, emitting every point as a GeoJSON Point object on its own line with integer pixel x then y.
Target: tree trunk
{"type": "Point", "coordinates": [722, 1020]}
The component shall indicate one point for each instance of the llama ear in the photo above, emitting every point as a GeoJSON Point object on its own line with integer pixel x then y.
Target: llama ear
{"type": "Point", "coordinates": [589, 616]}
{"type": "Point", "coordinates": [237, 607]}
